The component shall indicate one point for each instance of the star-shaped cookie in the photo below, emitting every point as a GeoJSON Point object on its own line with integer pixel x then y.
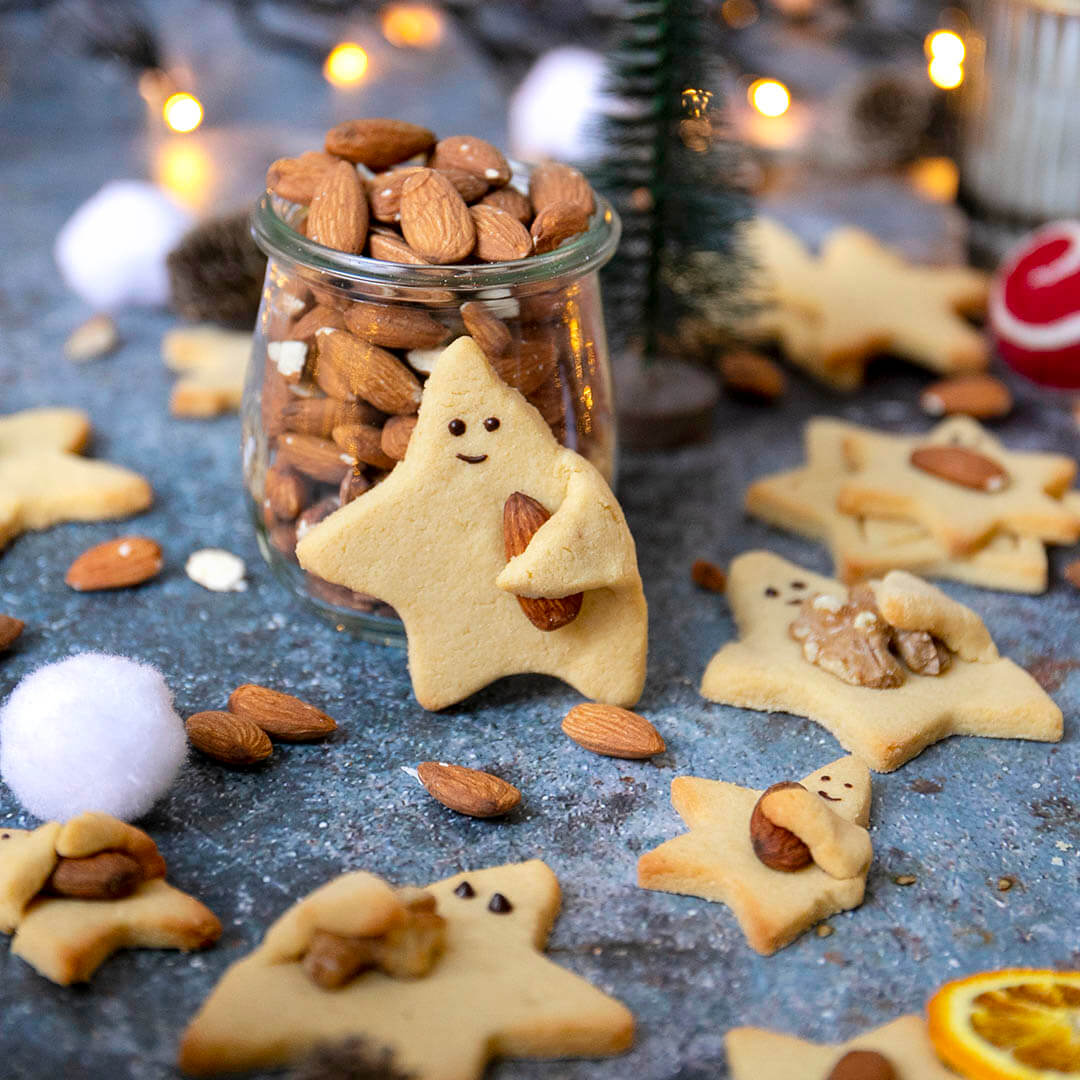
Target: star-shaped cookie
{"type": "Point", "coordinates": [429, 541]}
{"type": "Point", "coordinates": [756, 1054]}
{"type": "Point", "coordinates": [67, 938]}
{"type": "Point", "coordinates": [804, 501]}
{"type": "Point", "coordinates": [491, 994]}
{"type": "Point", "coordinates": [212, 364]}
{"type": "Point", "coordinates": [766, 669]}
{"type": "Point", "coordinates": [715, 859]}
{"type": "Point", "coordinates": [44, 481]}
{"type": "Point", "coordinates": [885, 483]}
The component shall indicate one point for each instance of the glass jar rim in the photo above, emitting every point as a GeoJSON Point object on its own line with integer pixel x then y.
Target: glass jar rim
{"type": "Point", "coordinates": [584, 253]}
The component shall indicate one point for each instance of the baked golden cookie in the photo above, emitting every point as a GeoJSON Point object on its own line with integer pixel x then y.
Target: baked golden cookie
{"type": "Point", "coordinates": [43, 481]}
{"type": "Point", "coordinates": [212, 364]}
{"type": "Point", "coordinates": [877, 707]}
{"type": "Point", "coordinates": [716, 859]}
{"type": "Point", "coordinates": [429, 540]}
{"type": "Point", "coordinates": [488, 992]}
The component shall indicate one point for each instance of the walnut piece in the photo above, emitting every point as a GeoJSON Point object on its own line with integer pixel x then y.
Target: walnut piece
{"type": "Point", "coordinates": [922, 652]}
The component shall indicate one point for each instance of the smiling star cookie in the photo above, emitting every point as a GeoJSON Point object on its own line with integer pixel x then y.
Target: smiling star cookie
{"type": "Point", "coordinates": [73, 894]}
{"type": "Point", "coordinates": [885, 692]}
{"type": "Point", "coordinates": [445, 978]}
{"type": "Point", "coordinates": [430, 541]}
{"type": "Point", "coordinates": [782, 860]}
{"type": "Point", "coordinates": [902, 1046]}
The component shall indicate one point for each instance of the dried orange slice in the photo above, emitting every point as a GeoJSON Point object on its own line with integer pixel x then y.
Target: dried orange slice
{"type": "Point", "coordinates": [1009, 1025]}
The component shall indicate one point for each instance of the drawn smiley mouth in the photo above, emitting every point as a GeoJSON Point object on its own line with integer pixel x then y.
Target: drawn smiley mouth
{"type": "Point", "coordinates": [472, 459]}
{"type": "Point", "coordinates": [826, 795]}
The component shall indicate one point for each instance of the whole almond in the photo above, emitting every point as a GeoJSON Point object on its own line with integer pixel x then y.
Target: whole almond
{"type": "Point", "coordinates": [10, 629]}
{"type": "Point", "coordinates": [527, 365]}
{"type": "Point", "coordinates": [280, 715]}
{"type": "Point", "coordinates": [354, 485]}
{"type": "Point", "coordinates": [863, 1065]}
{"type": "Point", "coordinates": [346, 367]}
{"type": "Point", "coordinates": [468, 185]}
{"type": "Point", "coordinates": [752, 374]}
{"type": "Point", "coordinates": [364, 443]}
{"type": "Point", "coordinates": [378, 142]}
{"type": "Point", "coordinates": [319, 416]}
{"type": "Point", "coordinates": [297, 179]}
{"type": "Point", "coordinates": [707, 575]}
{"type": "Point", "coordinates": [778, 848]}
{"type": "Point", "coordinates": [434, 218]}
{"type": "Point", "coordinates": [468, 791]}
{"type": "Point", "coordinates": [395, 436]}
{"type": "Point", "coordinates": [472, 155]}
{"type": "Point", "coordinates": [512, 201]}
{"type": "Point", "coordinates": [115, 564]}
{"type": "Point", "coordinates": [613, 732]}
{"type": "Point", "coordinates": [384, 190]}
{"type": "Point", "coordinates": [487, 330]}
{"type": "Point", "coordinates": [338, 217]}
{"type": "Point", "coordinates": [389, 247]}
{"type": "Point", "coordinates": [109, 875]}
{"type": "Point", "coordinates": [500, 237]}
{"type": "Point", "coordinates": [98, 336]}
{"type": "Point", "coordinates": [959, 465]}
{"type": "Point", "coordinates": [287, 492]}
{"type": "Point", "coordinates": [395, 326]}
{"type": "Point", "coordinates": [320, 316]}
{"type": "Point", "coordinates": [557, 222]}
{"type": "Point", "coordinates": [552, 182]}
{"type": "Point", "coordinates": [522, 516]}
{"type": "Point", "coordinates": [226, 737]}
{"type": "Point", "coordinates": [980, 396]}
{"type": "Point", "coordinates": [320, 459]}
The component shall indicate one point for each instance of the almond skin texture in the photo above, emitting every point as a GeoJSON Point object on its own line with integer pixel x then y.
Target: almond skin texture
{"type": "Point", "coordinates": [500, 237]}
{"type": "Point", "coordinates": [234, 740]}
{"type": "Point", "coordinates": [108, 875]}
{"type": "Point", "coordinates": [338, 217]}
{"type": "Point", "coordinates": [320, 459]}
{"type": "Point", "coordinates": [281, 716]}
{"type": "Point", "coordinates": [958, 465]}
{"type": "Point", "coordinates": [384, 190]}
{"type": "Point", "coordinates": [387, 246]}
{"type": "Point", "coordinates": [378, 142]}
{"type": "Point", "coordinates": [472, 155]}
{"type": "Point", "coordinates": [487, 330]}
{"type": "Point", "coordinates": [306, 327]}
{"type": "Point", "coordinates": [468, 791]}
{"type": "Point", "coordinates": [613, 732]}
{"type": "Point", "coordinates": [297, 179]}
{"type": "Point", "coordinates": [527, 365]}
{"type": "Point", "coordinates": [347, 367]}
{"type": "Point", "coordinates": [10, 629]}
{"type": "Point", "coordinates": [115, 564]}
{"type": "Point", "coordinates": [555, 223]}
{"type": "Point", "coordinates": [512, 201]}
{"type": "Point", "coordinates": [435, 221]}
{"type": "Point", "coordinates": [363, 442]}
{"type": "Point", "coordinates": [287, 492]}
{"type": "Point", "coordinates": [522, 516]}
{"type": "Point", "coordinates": [319, 416]}
{"type": "Point", "coordinates": [707, 575]}
{"type": "Point", "coordinates": [395, 326]}
{"type": "Point", "coordinates": [751, 374]}
{"type": "Point", "coordinates": [863, 1065]}
{"type": "Point", "coordinates": [552, 182]}
{"type": "Point", "coordinates": [778, 848]}
{"type": "Point", "coordinates": [395, 436]}
{"type": "Point", "coordinates": [980, 396]}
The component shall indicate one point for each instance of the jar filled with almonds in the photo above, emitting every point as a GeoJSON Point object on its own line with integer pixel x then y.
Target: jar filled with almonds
{"type": "Point", "coordinates": [383, 248]}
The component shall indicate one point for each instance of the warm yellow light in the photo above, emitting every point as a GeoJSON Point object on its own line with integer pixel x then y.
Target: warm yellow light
{"type": "Point", "coordinates": [945, 74]}
{"type": "Point", "coordinates": [182, 112]}
{"type": "Point", "coordinates": [769, 97]}
{"type": "Point", "coordinates": [415, 26]}
{"type": "Point", "coordinates": [935, 177]}
{"type": "Point", "coordinates": [739, 14]}
{"type": "Point", "coordinates": [186, 171]}
{"type": "Point", "coordinates": [346, 65]}
{"type": "Point", "coordinates": [945, 46]}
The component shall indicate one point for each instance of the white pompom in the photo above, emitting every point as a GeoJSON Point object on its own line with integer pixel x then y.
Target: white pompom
{"type": "Point", "coordinates": [112, 250]}
{"type": "Point", "coordinates": [93, 732]}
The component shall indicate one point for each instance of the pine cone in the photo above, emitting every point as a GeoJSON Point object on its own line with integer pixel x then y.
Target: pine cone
{"type": "Point", "coordinates": [216, 273]}
{"type": "Point", "coordinates": [352, 1059]}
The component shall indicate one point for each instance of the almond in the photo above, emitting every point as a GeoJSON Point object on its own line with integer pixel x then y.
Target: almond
{"type": "Point", "coordinates": [863, 1065]}
{"type": "Point", "coordinates": [469, 186]}
{"type": "Point", "coordinates": [778, 848]}
{"type": "Point", "coordinates": [980, 396]}
{"type": "Point", "coordinates": [512, 201]}
{"type": "Point", "coordinates": [389, 247]}
{"type": "Point", "coordinates": [10, 629]}
{"type": "Point", "coordinates": [752, 374]}
{"type": "Point", "coordinates": [472, 155]}
{"type": "Point", "coordinates": [305, 328]}
{"type": "Point", "coordinates": [332, 960]}
{"type": "Point", "coordinates": [235, 740]}
{"type": "Point", "coordinates": [468, 791]}
{"type": "Point", "coordinates": [338, 217]}
{"type": "Point", "coordinates": [364, 443]}
{"type": "Point", "coordinates": [522, 516]}
{"type": "Point", "coordinates": [378, 142]}
{"type": "Point", "coordinates": [297, 179]}
{"type": "Point", "coordinates": [384, 190]}
{"type": "Point", "coordinates": [347, 367]}
{"type": "Point", "coordinates": [552, 182]}
{"type": "Point", "coordinates": [395, 326]}
{"type": "Point", "coordinates": [287, 492]}
{"type": "Point", "coordinates": [708, 575]}
{"type": "Point", "coordinates": [527, 365]}
{"type": "Point", "coordinates": [281, 716]}
{"type": "Point", "coordinates": [614, 732]}
{"type": "Point", "coordinates": [96, 337]}
{"type": "Point", "coordinates": [434, 218]}
{"type": "Point", "coordinates": [959, 465]}
{"type": "Point", "coordinates": [557, 222]}
{"type": "Point", "coordinates": [395, 436]}
{"type": "Point", "coordinates": [500, 237]}
{"type": "Point", "coordinates": [354, 484]}
{"type": "Point", "coordinates": [319, 416]}
{"type": "Point", "coordinates": [108, 875]}
{"type": "Point", "coordinates": [318, 458]}
{"type": "Point", "coordinates": [487, 330]}
{"type": "Point", "coordinates": [315, 513]}
{"type": "Point", "coordinates": [115, 564]}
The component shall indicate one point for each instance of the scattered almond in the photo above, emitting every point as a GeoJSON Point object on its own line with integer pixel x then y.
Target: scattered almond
{"type": "Point", "coordinates": [297, 179]}
{"type": "Point", "coordinates": [905, 879]}
{"type": "Point", "coordinates": [613, 732]}
{"type": "Point", "coordinates": [96, 337]}
{"type": "Point", "coordinates": [500, 237]}
{"type": "Point", "coordinates": [115, 564]}
{"type": "Point", "coordinates": [557, 222]}
{"type": "Point", "coordinates": [487, 330]}
{"type": "Point", "coordinates": [512, 201]}
{"type": "Point", "coordinates": [378, 142]}
{"type": "Point", "coordinates": [395, 436]}
{"type": "Point", "coordinates": [552, 182]}
{"type": "Point", "coordinates": [707, 575]}
{"type": "Point", "coordinates": [232, 739]}
{"type": "Point", "coordinates": [395, 326]}
{"type": "Point", "coordinates": [434, 218]}
{"type": "Point", "coordinates": [959, 465]}
{"type": "Point", "coordinates": [281, 716]}
{"type": "Point", "coordinates": [1072, 573]}
{"type": "Point", "coordinates": [338, 216]}
{"type": "Point", "coordinates": [980, 396]}
{"type": "Point", "coordinates": [863, 1065]}
{"type": "Point", "coordinates": [778, 848]}
{"type": "Point", "coordinates": [468, 791]}
{"type": "Point", "coordinates": [108, 875]}
{"type": "Point", "coordinates": [216, 569]}
{"type": "Point", "coordinates": [10, 629]}
{"type": "Point", "coordinates": [753, 375]}
{"type": "Point", "coordinates": [472, 155]}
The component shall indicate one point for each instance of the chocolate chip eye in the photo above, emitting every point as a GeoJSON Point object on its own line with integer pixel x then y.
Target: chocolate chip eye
{"type": "Point", "coordinates": [491, 423]}
{"type": "Point", "coordinates": [465, 891]}
{"type": "Point", "coordinates": [457, 427]}
{"type": "Point", "coordinates": [826, 779]}
{"type": "Point", "coordinates": [770, 591]}
{"type": "Point", "coordinates": [798, 584]}
{"type": "Point", "coordinates": [499, 905]}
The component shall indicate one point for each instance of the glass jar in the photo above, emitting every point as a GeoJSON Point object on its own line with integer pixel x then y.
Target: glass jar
{"type": "Point", "coordinates": [311, 444]}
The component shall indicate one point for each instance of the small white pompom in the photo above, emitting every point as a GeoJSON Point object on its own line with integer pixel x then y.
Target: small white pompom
{"type": "Point", "coordinates": [112, 250]}
{"type": "Point", "coordinates": [94, 732]}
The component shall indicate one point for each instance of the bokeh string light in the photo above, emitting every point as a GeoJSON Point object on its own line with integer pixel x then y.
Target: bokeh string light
{"type": "Point", "coordinates": [769, 97]}
{"type": "Point", "coordinates": [182, 112]}
{"type": "Point", "coordinates": [346, 64]}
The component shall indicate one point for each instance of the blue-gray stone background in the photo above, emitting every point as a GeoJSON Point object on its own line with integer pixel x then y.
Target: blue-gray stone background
{"type": "Point", "coordinates": [959, 817]}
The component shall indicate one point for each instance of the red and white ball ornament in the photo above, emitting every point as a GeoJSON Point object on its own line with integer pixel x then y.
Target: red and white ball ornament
{"type": "Point", "coordinates": [1035, 306]}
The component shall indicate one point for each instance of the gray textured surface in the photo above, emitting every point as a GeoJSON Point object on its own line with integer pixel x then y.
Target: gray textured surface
{"type": "Point", "coordinates": [248, 843]}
